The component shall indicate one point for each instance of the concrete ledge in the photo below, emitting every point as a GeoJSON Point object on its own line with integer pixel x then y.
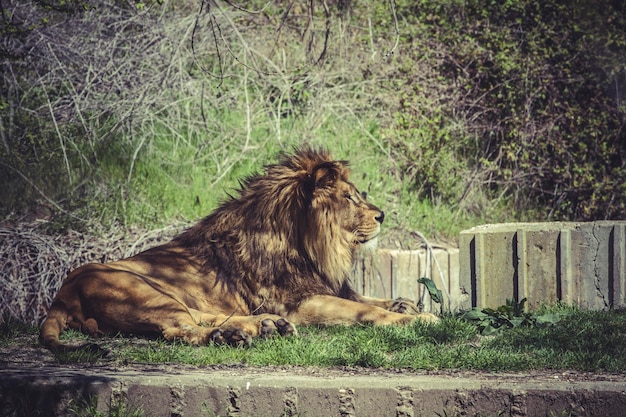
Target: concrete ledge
{"type": "Point", "coordinates": [579, 263]}
{"type": "Point", "coordinates": [241, 391]}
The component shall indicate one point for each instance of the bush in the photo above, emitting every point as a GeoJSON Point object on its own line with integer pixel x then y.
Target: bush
{"type": "Point", "coordinates": [517, 98]}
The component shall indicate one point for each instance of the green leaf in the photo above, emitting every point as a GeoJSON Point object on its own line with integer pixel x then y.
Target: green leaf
{"type": "Point", "coordinates": [548, 319]}
{"type": "Point", "coordinates": [517, 321]}
{"type": "Point", "coordinates": [435, 293]}
{"type": "Point", "coordinates": [491, 312]}
{"type": "Point", "coordinates": [475, 314]}
{"type": "Point", "coordinates": [489, 330]}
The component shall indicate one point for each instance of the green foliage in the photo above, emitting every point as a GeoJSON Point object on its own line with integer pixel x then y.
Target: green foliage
{"type": "Point", "coordinates": [511, 315]}
{"type": "Point", "coordinates": [584, 340]}
{"type": "Point", "coordinates": [517, 98]}
{"type": "Point", "coordinates": [491, 321]}
{"type": "Point", "coordinates": [11, 329]}
{"type": "Point", "coordinates": [482, 111]}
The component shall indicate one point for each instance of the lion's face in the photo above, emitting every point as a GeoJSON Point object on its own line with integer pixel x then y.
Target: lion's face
{"type": "Point", "coordinates": [339, 222]}
{"type": "Point", "coordinates": [359, 219]}
{"type": "Point", "coordinates": [342, 212]}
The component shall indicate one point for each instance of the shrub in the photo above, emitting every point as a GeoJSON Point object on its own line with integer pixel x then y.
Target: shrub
{"type": "Point", "coordinates": [517, 98]}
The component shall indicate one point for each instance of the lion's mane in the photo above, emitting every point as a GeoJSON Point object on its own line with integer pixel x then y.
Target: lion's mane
{"type": "Point", "coordinates": [279, 237]}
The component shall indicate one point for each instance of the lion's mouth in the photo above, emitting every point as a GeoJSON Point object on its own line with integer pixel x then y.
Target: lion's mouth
{"type": "Point", "coordinates": [367, 239]}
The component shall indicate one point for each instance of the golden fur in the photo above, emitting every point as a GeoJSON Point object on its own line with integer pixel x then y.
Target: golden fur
{"type": "Point", "coordinates": [277, 255]}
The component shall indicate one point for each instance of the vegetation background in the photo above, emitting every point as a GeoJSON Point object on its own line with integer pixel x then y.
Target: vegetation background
{"type": "Point", "coordinates": [122, 113]}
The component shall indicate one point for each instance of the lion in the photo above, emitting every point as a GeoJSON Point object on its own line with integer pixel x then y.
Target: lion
{"type": "Point", "coordinates": [276, 256]}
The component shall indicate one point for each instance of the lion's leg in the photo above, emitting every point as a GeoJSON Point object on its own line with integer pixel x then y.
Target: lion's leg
{"type": "Point", "coordinates": [176, 322]}
{"type": "Point", "coordinates": [330, 310]}
{"type": "Point", "coordinates": [191, 333]}
{"type": "Point", "coordinates": [258, 325]}
{"type": "Point", "coordinates": [400, 305]}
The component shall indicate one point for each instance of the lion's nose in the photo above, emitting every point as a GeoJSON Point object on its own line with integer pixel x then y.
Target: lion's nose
{"type": "Point", "coordinates": [380, 217]}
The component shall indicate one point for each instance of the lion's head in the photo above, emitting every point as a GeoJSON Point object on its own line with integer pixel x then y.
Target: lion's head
{"type": "Point", "coordinates": [339, 221]}
{"type": "Point", "coordinates": [301, 221]}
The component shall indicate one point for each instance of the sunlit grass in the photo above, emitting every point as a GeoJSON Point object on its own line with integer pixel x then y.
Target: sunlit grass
{"type": "Point", "coordinates": [583, 340]}
{"type": "Point", "coordinates": [183, 178]}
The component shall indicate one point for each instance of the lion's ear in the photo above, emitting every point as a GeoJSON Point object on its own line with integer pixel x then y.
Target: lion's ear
{"type": "Point", "coordinates": [325, 175]}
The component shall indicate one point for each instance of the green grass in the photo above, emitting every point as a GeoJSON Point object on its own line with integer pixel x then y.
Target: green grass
{"type": "Point", "coordinates": [10, 330]}
{"type": "Point", "coordinates": [583, 340]}
{"type": "Point", "coordinates": [182, 176]}
{"type": "Point", "coordinates": [116, 408]}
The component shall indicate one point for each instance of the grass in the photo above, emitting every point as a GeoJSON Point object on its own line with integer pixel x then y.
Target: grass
{"type": "Point", "coordinates": [116, 408]}
{"type": "Point", "coordinates": [590, 341]}
{"type": "Point", "coordinates": [183, 176]}
{"type": "Point", "coordinates": [179, 178]}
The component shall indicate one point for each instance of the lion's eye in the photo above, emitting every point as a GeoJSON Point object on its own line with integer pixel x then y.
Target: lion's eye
{"type": "Point", "coordinates": [349, 197]}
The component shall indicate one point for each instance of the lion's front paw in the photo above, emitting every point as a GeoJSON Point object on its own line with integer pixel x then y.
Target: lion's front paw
{"type": "Point", "coordinates": [428, 318]}
{"type": "Point", "coordinates": [404, 306]}
{"type": "Point", "coordinates": [285, 328]}
{"type": "Point", "coordinates": [231, 336]}
{"type": "Point", "coordinates": [270, 327]}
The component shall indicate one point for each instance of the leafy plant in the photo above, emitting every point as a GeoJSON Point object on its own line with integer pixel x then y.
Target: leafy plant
{"type": "Point", "coordinates": [492, 321]}
{"type": "Point", "coordinates": [435, 293]}
{"type": "Point", "coordinates": [510, 315]}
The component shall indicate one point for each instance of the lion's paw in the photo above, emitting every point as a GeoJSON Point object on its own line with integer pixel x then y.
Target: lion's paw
{"type": "Point", "coordinates": [428, 318]}
{"type": "Point", "coordinates": [231, 336]}
{"type": "Point", "coordinates": [404, 306]}
{"type": "Point", "coordinates": [269, 328]}
{"type": "Point", "coordinates": [285, 328]}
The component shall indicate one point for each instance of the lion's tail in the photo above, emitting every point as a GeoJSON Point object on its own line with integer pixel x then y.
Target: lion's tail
{"type": "Point", "coordinates": [54, 325]}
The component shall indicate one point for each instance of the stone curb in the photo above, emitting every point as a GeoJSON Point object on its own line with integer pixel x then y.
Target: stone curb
{"type": "Point", "coordinates": [241, 391]}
